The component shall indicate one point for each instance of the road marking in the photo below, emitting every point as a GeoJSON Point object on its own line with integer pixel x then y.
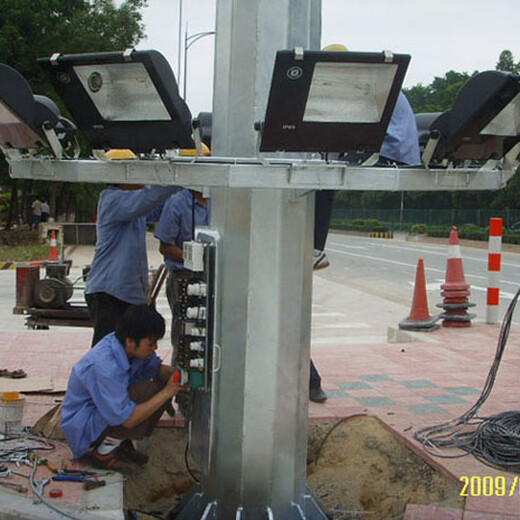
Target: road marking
{"type": "Point", "coordinates": [327, 314]}
{"type": "Point", "coordinates": [341, 326]}
{"type": "Point", "coordinates": [379, 259]}
{"type": "Point", "coordinates": [349, 340]}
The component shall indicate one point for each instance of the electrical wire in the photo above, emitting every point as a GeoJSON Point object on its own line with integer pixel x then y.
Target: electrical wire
{"type": "Point", "coordinates": [34, 487]}
{"type": "Point", "coordinates": [493, 440]}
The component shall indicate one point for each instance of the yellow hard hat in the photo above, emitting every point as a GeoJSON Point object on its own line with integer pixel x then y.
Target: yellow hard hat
{"type": "Point", "coordinates": [192, 152]}
{"type": "Point", "coordinates": [120, 153]}
{"type": "Point", "coordinates": [336, 47]}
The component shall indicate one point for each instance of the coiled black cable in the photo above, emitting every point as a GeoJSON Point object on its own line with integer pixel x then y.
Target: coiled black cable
{"type": "Point", "coordinates": [493, 440]}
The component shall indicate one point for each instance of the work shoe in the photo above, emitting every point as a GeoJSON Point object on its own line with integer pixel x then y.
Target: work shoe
{"type": "Point", "coordinates": [127, 451]}
{"type": "Point", "coordinates": [317, 395]}
{"type": "Point", "coordinates": [320, 260]}
{"type": "Point", "coordinates": [114, 461]}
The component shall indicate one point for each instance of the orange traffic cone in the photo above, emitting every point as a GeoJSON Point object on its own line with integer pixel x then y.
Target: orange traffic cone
{"type": "Point", "coordinates": [420, 319]}
{"type": "Point", "coordinates": [53, 253]}
{"type": "Point", "coordinates": [455, 290]}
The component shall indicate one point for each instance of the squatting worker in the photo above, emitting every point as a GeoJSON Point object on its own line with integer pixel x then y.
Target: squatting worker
{"type": "Point", "coordinates": [118, 391]}
{"type": "Point", "coordinates": [119, 272]}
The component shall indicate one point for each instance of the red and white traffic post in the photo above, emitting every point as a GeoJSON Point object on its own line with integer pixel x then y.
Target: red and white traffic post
{"type": "Point", "coordinates": [494, 265]}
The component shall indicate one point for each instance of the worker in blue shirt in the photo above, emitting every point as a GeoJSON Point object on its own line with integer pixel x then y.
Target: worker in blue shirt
{"type": "Point", "coordinates": [118, 391]}
{"type": "Point", "coordinates": [180, 214]}
{"type": "Point", "coordinates": [119, 273]}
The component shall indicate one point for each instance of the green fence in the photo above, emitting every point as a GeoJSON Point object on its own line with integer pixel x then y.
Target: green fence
{"type": "Point", "coordinates": [404, 219]}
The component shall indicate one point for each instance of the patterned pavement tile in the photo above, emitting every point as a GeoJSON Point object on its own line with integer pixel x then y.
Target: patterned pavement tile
{"type": "Point", "coordinates": [445, 399]}
{"type": "Point", "coordinates": [425, 409]}
{"type": "Point", "coordinates": [418, 383]}
{"type": "Point", "coordinates": [463, 390]}
{"type": "Point", "coordinates": [377, 377]}
{"type": "Point", "coordinates": [375, 401]}
{"type": "Point", "coordinates": [355, 385]}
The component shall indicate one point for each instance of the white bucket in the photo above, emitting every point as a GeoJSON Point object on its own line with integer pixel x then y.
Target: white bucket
{"type": "Point", "coordinates": [11, 411]}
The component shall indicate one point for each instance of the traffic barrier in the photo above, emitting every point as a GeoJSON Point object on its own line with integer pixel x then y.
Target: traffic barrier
{"type": "Point", "coordinates": [455, 290]}
{"type": "Point", "coordinates": [53, 253]}
{"type": "Point", "coordinates": [382, 234]}
{"type": "Point", "coordinates": [494, 267]}
{"type": "Point", "coordinates": [419, 318]}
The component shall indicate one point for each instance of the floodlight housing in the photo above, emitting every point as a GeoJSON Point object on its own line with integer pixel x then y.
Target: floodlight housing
{"type": "Point", "coordinates": [122, 99]}
{"type": "Point", "coordinates": [331, 101]}
{"type": "Point", "coordinates": [18, 109]}
{"type": "Point", "coordinates": [484, 121]}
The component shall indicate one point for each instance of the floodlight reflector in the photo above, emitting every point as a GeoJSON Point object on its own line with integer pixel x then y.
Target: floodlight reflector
{"type": "Point", "coordinates": [122, 92]}
{"type": "Point", "coordinates": [123, 99]}
{"type": "Point", "coordinates": [348, 93]}
{"type": "Point", "coordinates": [507, 122]}
{"type": "Point", "coordinates": [323, 101]}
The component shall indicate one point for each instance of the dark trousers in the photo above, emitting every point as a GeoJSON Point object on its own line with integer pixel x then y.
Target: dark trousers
{"type": "Point", "coordinates": [315, 378]}
{"type": "Point", "coordinates": [322, 213]}
{"type": "Point", "coordinates": [105, 311]}
{"type": "Point", "coordinates": [139, 393]}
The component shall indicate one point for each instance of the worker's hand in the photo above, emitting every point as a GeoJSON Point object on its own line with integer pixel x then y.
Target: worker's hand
{"type": "Point", "coordinates": [173, 385]}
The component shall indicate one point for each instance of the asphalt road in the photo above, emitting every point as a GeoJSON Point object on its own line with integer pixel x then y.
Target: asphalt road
{"type": "Point", "coordinates": [381, 267]}
{"type": "Point", "coordinates": [386, 268]}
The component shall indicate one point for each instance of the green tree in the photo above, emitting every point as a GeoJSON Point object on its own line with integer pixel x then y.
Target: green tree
{"type": "Point", "coordinates": [29, 30]}
{"type": "Point", "coordinates": [506, 62]}
{"type": "Point", "coordinates": [439, 95]}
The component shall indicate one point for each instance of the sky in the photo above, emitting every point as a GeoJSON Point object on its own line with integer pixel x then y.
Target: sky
{"type": "Point", "coordinates": [460, 35]}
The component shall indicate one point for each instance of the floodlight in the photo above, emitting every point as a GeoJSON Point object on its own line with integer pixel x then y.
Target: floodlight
{"type": "Point", "coordinates": [122, 99]}
{"type": "Point", "coordinates": [331, 101]}
{"type": "Point", "coordinates": [17, 112]}
{"type": "Point", "coordinates": [484, 121]}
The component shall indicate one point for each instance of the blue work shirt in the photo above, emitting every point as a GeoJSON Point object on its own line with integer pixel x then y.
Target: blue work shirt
{"type": "Point", "coordinates": [401, 142]}
{"type": "Point", "coordinates": [97, 393]}
{"type": "Point", "coordinates": [120, 265]}
{"type": "Point", "coordinates": [175, 225]}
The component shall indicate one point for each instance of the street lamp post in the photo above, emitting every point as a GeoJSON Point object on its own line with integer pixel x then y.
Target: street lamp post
{"type": "Point", "coordinates": [188, 42]}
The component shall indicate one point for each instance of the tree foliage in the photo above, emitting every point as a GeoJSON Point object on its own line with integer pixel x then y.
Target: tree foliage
{"type": "Point", "coordinates": [30, 29]}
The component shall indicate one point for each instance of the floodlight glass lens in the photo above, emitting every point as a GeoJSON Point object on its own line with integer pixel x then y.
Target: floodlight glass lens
{"type": "Point", "coordinates": [122, 92]}
{"type": "Point", "coordinates": [507, 122]}
{"type": "Point", "coordinates": [349, 92]}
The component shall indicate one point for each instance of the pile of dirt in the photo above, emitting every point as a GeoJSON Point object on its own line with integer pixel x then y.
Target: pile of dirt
{"type": "Point", "coordinates": [357, 467]}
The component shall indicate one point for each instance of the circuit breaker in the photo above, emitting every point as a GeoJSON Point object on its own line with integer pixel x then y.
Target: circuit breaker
{"type": "Point", "coordinates": [195, 307]}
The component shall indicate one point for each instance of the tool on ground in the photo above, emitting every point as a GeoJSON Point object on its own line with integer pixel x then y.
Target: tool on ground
{"type": "Point", "coordinates": [40, 484]}
{"type": "Point", "coordinates": [89, 484]}
{"type": "Point", "coordinates": [16, 487]}
{"type": "Point", "coordinates": [55, 493]}
{"type": "Point", "coordinates": [69, 478]}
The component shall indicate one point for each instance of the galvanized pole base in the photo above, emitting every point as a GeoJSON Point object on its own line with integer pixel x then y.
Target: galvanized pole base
{"type": "Point", "coordinates": [197, 505]}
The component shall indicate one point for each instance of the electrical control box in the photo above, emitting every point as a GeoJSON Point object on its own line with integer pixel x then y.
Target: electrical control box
{"type": "Point", "coordinates": [195, 307]}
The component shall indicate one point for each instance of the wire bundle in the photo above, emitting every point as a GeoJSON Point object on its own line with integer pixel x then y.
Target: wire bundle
{"type": "Point", "coordinates": [493, 440]}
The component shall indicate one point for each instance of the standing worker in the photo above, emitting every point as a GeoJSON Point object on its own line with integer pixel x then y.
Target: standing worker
{"type": "Point", "coordinates": [180, 214]}
{"type": "Point", "coordinates": [400, 147]}
{"type": "Point", "coordinates": [119, 273]}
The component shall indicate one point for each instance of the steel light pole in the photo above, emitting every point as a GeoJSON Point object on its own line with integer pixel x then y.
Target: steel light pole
{"type": "Point", "coordinates": [179, 42]}
{"type": "Point", "coordinates": [188, 42]}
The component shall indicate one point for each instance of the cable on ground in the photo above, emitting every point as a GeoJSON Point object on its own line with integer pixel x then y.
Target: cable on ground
{"type": "Point", "coordinates": [494, 440]}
